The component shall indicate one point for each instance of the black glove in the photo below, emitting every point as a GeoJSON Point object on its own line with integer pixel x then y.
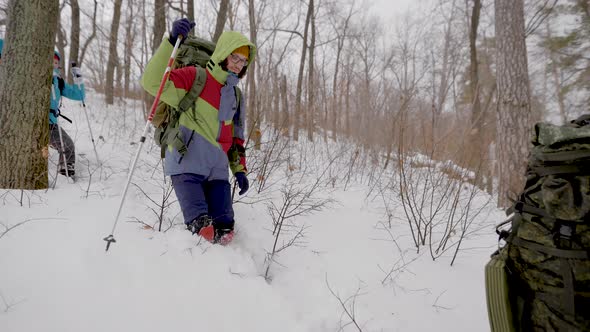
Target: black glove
{"type": "Point", "coordinates": [242, 182]}
{"type": "Point", "coordinates": [180, 28]}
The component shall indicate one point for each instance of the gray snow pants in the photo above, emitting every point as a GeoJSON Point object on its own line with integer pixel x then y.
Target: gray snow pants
{"type": "Point", "coordinates": [68, 148]}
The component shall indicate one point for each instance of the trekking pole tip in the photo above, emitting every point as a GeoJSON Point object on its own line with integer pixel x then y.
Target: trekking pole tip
{"type": "Point", "coordinates": [110, 239]}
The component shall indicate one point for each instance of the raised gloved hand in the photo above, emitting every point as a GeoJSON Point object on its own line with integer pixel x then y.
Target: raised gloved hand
{"type": "Point", "coordinates": [77, 74]}
{"type": "Point", "coordinates": [242, 182]}
{"type": "Point", "coordinates": [180, 28]}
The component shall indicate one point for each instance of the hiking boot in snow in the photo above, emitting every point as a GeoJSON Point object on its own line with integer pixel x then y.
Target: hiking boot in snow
{"type": "Point", "coordinates": [199, 223]}
{"type": "Point", "coordinates": [71, 170]}
{"type": "Point", "coordinates": [208, 233]}
{"type": "Point", "coordinates": [223, 236]}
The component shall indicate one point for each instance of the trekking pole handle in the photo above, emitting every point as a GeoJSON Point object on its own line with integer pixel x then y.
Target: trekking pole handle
{"type": "Point", "coordinates": [73, 65]}
{"type": "Point", "coordinates": [165, 78]}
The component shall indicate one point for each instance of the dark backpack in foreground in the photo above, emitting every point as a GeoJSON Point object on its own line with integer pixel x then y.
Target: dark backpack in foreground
{"type": "Point", "coordinates": [196, 52]}
{"type": "Point", "coordinates": [540, 280]}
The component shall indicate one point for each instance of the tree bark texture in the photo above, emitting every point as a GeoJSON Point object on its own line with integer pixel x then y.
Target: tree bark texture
{"type": "Point", "coordinates": [311, 107]}
{"type": "Point", "coordinates": [478, 144]}
{"type": "Point", "coordinates": [285, 100]}
{"type": "Point", "coordinates": [113, 57]}
{"type": "Point", "coordinates": [557, 81]}
{"type": "Point", "coordinates": [221, 18]}
{"type": "Point", "coordinates": [91, 37]}
{"type": "Point", "coordinates": [74, 38]}
{"type": "Point", "coordinates": [24, 120]}
{"type": "Point", "coordinates": [276, 101]}
{"type": "Point", "coordinates": [61, 43]}
{"type": "Point", "coordinates": [252, 113]}
{"type": "Point", "coordinates": [298, 113]}
{"type": "Point", "coordinates": [514, 107]}
{"type": "Point", "coordinates": [190, 8]}
{"type": "Point", "coordinates": [159, 23]}
{"type": "Point", "coordinates": [336, 90]}
{"type": "Point", "coordinates": [476, 116]}
{"type": "Point", "coordinates": [129, 42]}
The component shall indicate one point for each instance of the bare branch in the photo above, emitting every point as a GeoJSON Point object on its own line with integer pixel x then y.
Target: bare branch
{"type": "Point", "coordinates": [349, 309]}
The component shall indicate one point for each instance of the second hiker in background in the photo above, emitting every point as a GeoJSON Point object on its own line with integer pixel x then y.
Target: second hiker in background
{"type": "Point", "coordinates": [61, 141]}
{"type": "Point", "coordinates": [58, 138]}
{"type": "Point", "coordinates": [210, 134]}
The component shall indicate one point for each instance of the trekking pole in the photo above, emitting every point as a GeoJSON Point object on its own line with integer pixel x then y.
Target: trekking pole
{"type": "Point", "coordinates": [76, 75]}
{"type": "Point", "coordinates": [111, 239]}
{"type": "Point", "coordinates": [62, 149]}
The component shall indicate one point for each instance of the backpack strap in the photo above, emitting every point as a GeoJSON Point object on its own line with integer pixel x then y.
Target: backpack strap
{"type": "Point", "coordinates": [61, 84]}
{"type": "Point", "coordinates": [188, 101]}
{"type": "Point", "coordinates": [238, 93]}
{"type": "Point", "coordinates": [238, 96]}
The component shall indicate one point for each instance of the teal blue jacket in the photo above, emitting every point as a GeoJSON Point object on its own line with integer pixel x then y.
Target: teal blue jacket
{"type": "Point", "coordinates": [74, 92]}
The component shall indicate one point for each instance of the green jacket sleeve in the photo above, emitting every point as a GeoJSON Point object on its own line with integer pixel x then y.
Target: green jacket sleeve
{"type": "Point", "coordinates": [153, 73]}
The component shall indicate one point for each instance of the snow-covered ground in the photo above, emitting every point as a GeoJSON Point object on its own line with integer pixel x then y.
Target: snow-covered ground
{"type": "Point", "coordinates": [348, 275]}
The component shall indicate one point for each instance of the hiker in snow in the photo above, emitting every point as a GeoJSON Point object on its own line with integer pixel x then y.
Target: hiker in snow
{"type": "Point", "coordinates": [60, 88]}
{"type": "Point", "coordinates": [211, 133]}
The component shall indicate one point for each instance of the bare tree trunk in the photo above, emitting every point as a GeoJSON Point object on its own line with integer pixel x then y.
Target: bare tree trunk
{"type": "Point", "coordinates": [514, 107]}
{"type": "Point", "coordinates": [74, 37]}
{"type": "Point", "coordinates": [444, 77]}
{"type": "Point", "coordinates": [129, 41]}
{"type": "Point", "coordinates": [298, 115]}
{"type": "Point", "coordinates": [159, 23]}
{"type": "Point", "coordinates": [311, 109]}
{"type": "Point", "coordinates": [60, 37]}
{"type": "Point", "coordinates": [113, 57]}
{"type": "Point", "coordinates": [336, 92]}
{"type": "Point", "coordinates": [556, 78]}
{"type": "Point", "coordinates": [24, 120]}
{"type": "Point", "coordinates": [221, 18]}
{"type": "Point", "coordinates": [190, 8]}
{"type": "Point", "coordinates": [347, 126]}
{"type": "Point", "coordinates": [476, 116]}
{"type": "Point", "coordinates": [91, 37]}
{"type": "Point", "coordinates": [145, 56]}
{"type": "Point", "coordinates": [276, 100]}
{"type": "Point", "coordinates": [478, 143]}
{"type": "Point", "coordinates": [252, 98]}
{"type": "Point", "coordinates": [285, 98]}
{"type": "Point", "coordinates": [61, 43]}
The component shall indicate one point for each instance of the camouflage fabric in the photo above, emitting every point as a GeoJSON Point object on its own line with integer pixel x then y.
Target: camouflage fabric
{"type": "Point", "coordinates": [549, 243]}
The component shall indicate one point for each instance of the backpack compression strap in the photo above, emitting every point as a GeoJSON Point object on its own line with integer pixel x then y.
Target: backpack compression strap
{"type": "Point", "coordinates": [238, 96]}
{"type": "Point", "coordinates": [188, 101]}
{"type": "Point", "coordinates": [564, 255]}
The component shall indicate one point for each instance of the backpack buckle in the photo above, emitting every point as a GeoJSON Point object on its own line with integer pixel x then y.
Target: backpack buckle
{"type": "Point", "coordinates": [563, 234]}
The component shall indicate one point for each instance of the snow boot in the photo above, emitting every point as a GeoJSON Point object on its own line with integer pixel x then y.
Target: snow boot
{"type": "Point", "coordinates": [202, 221]}
{"type": "Point", "coordinates": [71, 170]}
{"type": "Point", "coordinates": [224, 236]}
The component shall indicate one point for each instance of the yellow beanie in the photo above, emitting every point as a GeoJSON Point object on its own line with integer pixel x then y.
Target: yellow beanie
{"type": "Point", "coordinates": [243, 50]}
